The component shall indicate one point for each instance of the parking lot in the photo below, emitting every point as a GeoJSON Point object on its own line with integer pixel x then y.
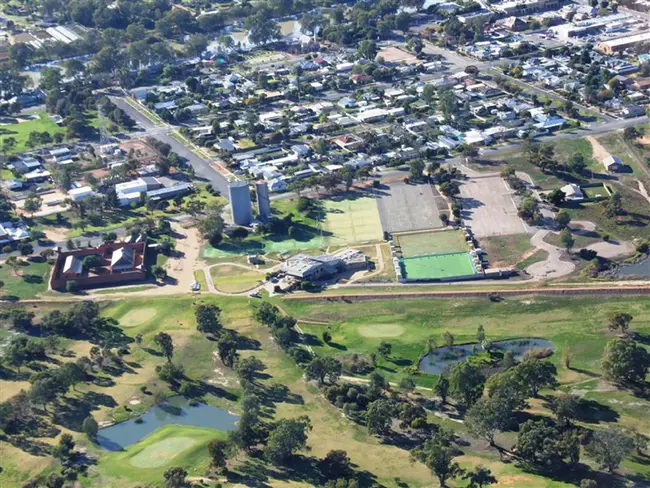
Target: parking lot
{"type": "Point", "coordinates": [488, 208]}
{"type": "Point", "coordinates": [406, 207]}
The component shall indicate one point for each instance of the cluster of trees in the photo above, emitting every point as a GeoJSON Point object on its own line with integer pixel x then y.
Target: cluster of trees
{"type": "Point", "coordinates": [282, 330]}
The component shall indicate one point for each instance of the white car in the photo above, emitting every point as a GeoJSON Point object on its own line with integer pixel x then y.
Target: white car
{"type": "Point", "coordinates": [196, 286]}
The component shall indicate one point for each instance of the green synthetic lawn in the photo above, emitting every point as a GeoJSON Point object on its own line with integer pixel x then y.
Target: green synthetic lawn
{"type": "Point", "coordinates": [437, 266]}
{"type": "Point", "coordinates": [345, 221]}
{"type": "Point", "coordinates": [21, 131]}
{"type": "Point", "coordinates": [424, 243]}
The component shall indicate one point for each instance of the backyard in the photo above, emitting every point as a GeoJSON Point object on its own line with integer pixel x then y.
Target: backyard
{"type": "Point", "coordinates": [20, 131]}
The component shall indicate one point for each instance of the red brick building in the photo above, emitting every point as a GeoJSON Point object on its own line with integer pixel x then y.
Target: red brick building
{"type": "Point", "coordinates": [116, 263]}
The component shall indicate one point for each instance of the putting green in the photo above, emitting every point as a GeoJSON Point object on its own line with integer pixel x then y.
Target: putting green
{"type": "Point", "coordinates": [138, 316]}
{"type": "Point", "coordinates": [381, 330]}
{"type": "Point", "coordinates": [162, 452]}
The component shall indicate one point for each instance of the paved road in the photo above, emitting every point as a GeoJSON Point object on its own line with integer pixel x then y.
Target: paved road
{"type": "Point", "coordinates": [201, 166]}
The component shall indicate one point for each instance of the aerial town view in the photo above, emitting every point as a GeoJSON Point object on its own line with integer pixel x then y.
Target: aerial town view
{"type": "Point", "coordinates": [325, 243]}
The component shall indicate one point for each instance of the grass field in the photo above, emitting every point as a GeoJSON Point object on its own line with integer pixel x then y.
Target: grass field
{"type": "Point", "coordinates": [234, 279]}
{"type": "Point", "coordinates": [437, 266]}
{"type": "Point", "coordinates": [356, 328]}
{"type": "Point", "coordinates": [579, 323]}
{"type": "Point", "coordinates": [29, 281]}
{"type": "Point", "coordinates": [504, 251]}
{"type": "Point", "coordinates": [170, 445]}
{"type": "Point", "coordinates": [564, 148]}
{"type": "Point", "coordinates": [346, 220]}
{"type": "Point", "coordinates": [424, 243]}
{"type": "Point", "coordinates": [21, 131]}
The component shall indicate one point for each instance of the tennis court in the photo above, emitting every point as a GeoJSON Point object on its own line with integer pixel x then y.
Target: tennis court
{"type": "Point", "coordinates": [437, 266]}
{"type": "Point", "coordinates": [351, 220]}
{"type": "Point", "coordinates": [425, 243]}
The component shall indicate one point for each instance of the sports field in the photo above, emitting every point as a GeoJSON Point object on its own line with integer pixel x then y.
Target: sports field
{"type": "Point", "coordinates": [345, 221]}
{"type": "Point", "coordinates": [425, 243]}
{"type": "Point", "coordinates": [437, 266]}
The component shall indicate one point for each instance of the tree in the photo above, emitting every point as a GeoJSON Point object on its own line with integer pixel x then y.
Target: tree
{"type": "Point", "coordinates": [289, 436]}
{"type": "Point", "coordinates": [90, 427]}
{"type": "Point", "coordinates": [43, 391]}
{"type": "Point", "coordinates": [438, 456]}
{"type": "Point", "coordinates": [609, 447]}
{"type": "Point", "coordinates": [70, 374]}
{"type": "Point", "coordinates": [428, 92]}
{"type": "Point", "coordinates": [480, 334]}
{"type": "Point", "coordinates": [566, 408]}
{"type": "Point", "coordinates": [212, 222]}
{"type": "Point", "coordinates": [538, 444]}
{"type": "Point", "coordinates": [441, 388]}
{"type": "Point", "coordinates": [449, 338]}
{"type": "Point", "coordinates": [567, 238]}
{"type": "Point", "coordinates": [175, 477]}
{"type": "Point", "coordinates": [576, 163]}
{"type": "Point", "coordinates": [479, 477]}
{"type": "Point", "coordinates": [563, 218]}
{"type": "Point", "coordinates": [529, 209]}
{"type": "Point", "coordinates": [262, 28]}
{"type": "Point", "coordinates": [335, 465]}
{"type": "Point", "coordinates": [613, 206]}
{"type": "Point", "coordinates": [556, 197]}
{"type": "Point", "coordinates": [196, 45]}
{"type": "Point", "coordinates": [535, 375]}
{"type": "Point", "coordinates": [207, 319]}
{"type": "Point", "coordinates": [33, 203]}
{"type": "Point", "coordinates": [367, 49]}
{"type": "Point", "coordinates": [248, 368]}
{"type": "Point", "coordinates": [159, 272]}
{"type": "Point", "coordinates": [623, 360]}
{"type": "Point", "coordinates": [416, 169]}
{"type": "Point", "coordinates": [324, 367]}
{"type": "Point", "coordinates": [378, 417]}
{"type": "Point", "coordinates": [487, 417]}
{"type": "Point", "coordinates": [466, 382]}
{"type": "Point", "coordinates": [448, 103]}
{"type": "Point", "coordinates": [586, 483]}
{"type": "Point", "coordinates": [219, 450]}
{"type": "Point", "coordinates": [227, 350]}
{"type": "Point", "coordinates": [384, 349]}
{"type": "Point", "coordinates": [64, 449]}
{"type": "Point", "coordinates": [631, 133]}
{"type": "Point", "coordinates": [620, 321]}
{"type": "Point", "coordinates": [164, 341]}
{"type": "Point", "coordinates": [14, 263]}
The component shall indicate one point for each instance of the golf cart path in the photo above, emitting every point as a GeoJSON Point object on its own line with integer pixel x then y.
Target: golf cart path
{"type": "Point", "coordinates": [553, 266]}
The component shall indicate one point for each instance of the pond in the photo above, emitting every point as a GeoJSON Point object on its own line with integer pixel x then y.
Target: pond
{"type": "Point", "coordinates": [176, 410]}
{"type": "Point", "coordinates": [640, 269]}
{"type": "Point", "coordinates": [443, 357]}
